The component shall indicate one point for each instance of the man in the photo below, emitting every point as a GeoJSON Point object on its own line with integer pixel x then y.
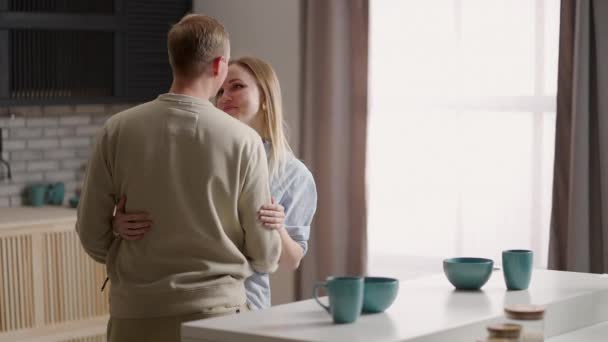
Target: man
{"type": "Point", "coordinates": [202, 175]}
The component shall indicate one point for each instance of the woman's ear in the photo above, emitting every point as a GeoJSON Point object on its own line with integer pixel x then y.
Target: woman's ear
{"type": "Point", "coordinates": [263, 103]}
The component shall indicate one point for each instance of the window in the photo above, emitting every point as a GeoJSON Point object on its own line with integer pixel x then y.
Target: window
{"type": "Point", "coordinates": [93, 51]}
{"type": "Point", "coordinates": [461, 129]}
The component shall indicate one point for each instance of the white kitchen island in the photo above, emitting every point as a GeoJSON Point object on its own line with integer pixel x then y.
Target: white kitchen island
{"type": "Point", "coordinates": [427, 310]}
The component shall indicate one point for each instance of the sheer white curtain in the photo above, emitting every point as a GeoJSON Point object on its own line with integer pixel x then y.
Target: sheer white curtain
{"type": "Point", "coordinates": [461, 131]}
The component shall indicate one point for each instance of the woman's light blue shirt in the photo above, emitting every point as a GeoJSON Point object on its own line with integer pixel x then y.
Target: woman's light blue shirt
{"type": "Point", "coordinates": [294, 189]}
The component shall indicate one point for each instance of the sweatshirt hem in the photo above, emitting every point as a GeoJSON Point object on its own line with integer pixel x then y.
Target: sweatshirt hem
{"type": "Point", "coordinates": [212, 299]}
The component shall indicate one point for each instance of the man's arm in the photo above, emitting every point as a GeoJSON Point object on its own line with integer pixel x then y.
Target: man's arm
{"type": "Point", "coordinates": [96, 205]}
{"type": "Point", "coordinates": [262, 246]}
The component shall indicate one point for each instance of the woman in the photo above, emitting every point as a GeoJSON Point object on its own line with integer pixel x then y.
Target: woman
{"type": "Point", "coordinates": [251, 94]}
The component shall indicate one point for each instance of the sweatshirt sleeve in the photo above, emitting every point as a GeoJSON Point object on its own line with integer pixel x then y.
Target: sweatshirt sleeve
{"type": "Point", "coordinates": [262, 246]}
{"type": "Point", "coordinates": [96, 205]}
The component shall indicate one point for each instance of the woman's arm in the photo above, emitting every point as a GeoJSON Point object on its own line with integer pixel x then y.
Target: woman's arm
{"type": "Point", "coordinates": [293, 216]}
{"type": "Point", "coordinates": [131, 226]}
{"type": "Point", "coordinates": [273, 217]}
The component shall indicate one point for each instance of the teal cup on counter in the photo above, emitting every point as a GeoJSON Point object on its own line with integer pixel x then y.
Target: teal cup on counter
{"type": "Point", "coordinates": [517, 268]}
{"type": "Point", "coordinates": [55, 193]}
{"type": "Point", "coordinates": [345, 298]}
{"type": "Point", "coordinates": [37, 195]}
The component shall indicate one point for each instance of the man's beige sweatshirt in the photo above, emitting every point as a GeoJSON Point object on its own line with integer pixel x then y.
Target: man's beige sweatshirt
{"type": "Point", "coordinates": [202, 175]}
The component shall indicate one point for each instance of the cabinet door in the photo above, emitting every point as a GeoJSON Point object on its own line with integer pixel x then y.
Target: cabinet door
{"type": "Point", "coordinates": [47, 278]}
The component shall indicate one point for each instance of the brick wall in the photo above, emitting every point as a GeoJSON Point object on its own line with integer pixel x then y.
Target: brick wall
{"type": "Point", "coordinates": [48, 144]}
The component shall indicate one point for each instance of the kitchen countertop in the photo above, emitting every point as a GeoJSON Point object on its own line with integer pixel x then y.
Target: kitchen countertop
{"type": "Point", "coordinates": [594, 333]}
{"type": "Point", "coordinates": [426, 310]}
{"type": "Point", "coordinates": [11, 218]}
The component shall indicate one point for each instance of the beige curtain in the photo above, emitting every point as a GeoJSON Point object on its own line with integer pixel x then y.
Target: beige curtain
{"type": "Point", "coordinates": [333, 135]}
{"type": "Point", "coordinates": [579, 219]}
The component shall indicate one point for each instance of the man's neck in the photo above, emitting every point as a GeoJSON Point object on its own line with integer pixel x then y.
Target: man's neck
{"type": "Point", "coordinates": [195, 88]}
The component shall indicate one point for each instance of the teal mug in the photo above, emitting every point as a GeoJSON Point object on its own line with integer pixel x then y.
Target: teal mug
{"type": "Point", "coordinates": [517, 268]}
{"type": "Point", "coordinates": [55, 194]}
{"type": "Point", "coordinates": [37, 195]}
{"type": "Point", "coordinates": [345, 298]}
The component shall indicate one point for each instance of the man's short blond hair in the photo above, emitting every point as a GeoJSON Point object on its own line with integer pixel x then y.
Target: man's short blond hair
{"type": "Point", "coordinates": [194, 42]}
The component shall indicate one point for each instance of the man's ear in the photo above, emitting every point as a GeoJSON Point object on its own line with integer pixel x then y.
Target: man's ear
{"type": "Point", "coordinates": [216, 65]}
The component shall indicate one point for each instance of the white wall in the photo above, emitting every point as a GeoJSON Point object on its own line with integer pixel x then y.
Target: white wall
{"type": "Point", "coordinates": [271, 30]}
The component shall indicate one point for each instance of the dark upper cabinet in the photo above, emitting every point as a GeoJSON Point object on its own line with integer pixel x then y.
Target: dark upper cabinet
{"type": "Point", "coordinates": [85, 51]}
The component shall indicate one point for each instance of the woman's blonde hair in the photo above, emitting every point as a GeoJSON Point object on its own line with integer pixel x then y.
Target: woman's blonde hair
{"type": "Point", "coordinates": [271, 108]}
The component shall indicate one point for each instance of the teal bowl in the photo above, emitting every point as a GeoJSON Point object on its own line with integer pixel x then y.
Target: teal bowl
{"type": "Point", "coordinates": [468, 273]}
{"type": "Point", "coordinates": [379, 293]}
{"type": "Point", "coordinates": [74, 202]}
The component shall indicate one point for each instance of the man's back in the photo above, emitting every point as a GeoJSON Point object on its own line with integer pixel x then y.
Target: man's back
{"type": "Point", "coordinates": [202, 177]}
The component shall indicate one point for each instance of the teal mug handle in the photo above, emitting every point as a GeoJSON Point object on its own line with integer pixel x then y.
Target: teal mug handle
{"type": "Point", "coordinates": [315, 294]}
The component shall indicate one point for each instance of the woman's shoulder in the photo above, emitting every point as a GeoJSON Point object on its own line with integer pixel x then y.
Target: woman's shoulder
{"type": "Point", "coordinates": [292, 171]}
{"type": "Point", "coordinates": [295, 178]}
{"type": "Point", "coordinates": [296, 170]}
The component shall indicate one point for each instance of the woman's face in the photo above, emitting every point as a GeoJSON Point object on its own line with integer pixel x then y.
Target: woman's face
{"type": "Point", "coordinates": [239, 95]}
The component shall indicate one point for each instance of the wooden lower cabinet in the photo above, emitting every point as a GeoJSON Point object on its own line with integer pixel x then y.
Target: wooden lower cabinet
{"type": "Point", "coordinates": [50, 290]}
